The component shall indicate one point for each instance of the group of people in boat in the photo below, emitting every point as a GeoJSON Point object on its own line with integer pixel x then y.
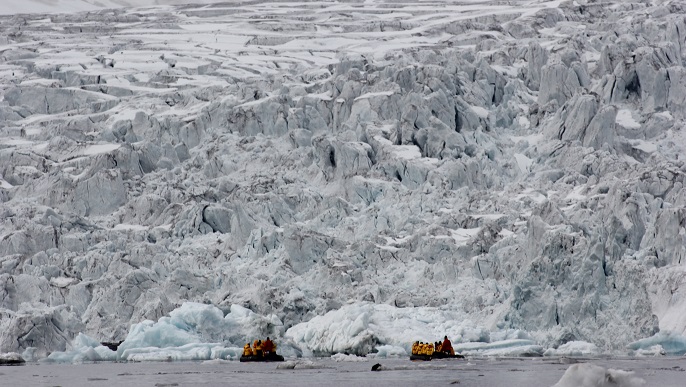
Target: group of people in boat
{"type": "Point", "coordinates": [421, 348]}
{"type": "Point", "coordinates": [260, 348]}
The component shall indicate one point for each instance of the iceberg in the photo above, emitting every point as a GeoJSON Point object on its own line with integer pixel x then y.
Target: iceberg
{"type": "Point", "coordinates": [339, 357]}
{"type": "Point", "coordinates": [11, 358]}
{"type": "Point", "coordinates": [668, 343]}
{"type": "Point", "coordinates": [387, 331]}
{"type": "Point", "coordinates": [591, 375]}
{"type": "Point", "coordinates": [574, 349]}
{"type": "Point", "coordinates": [191, 332]}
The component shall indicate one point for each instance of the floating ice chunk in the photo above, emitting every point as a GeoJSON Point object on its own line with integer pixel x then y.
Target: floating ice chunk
{"type": "Point", "coordinates": [348, 358]}
{"type": "Point", "coordinates": [162, 334]}
{"type": "Point", "coordinates": [299, 365]}
{"type": "Point", "coordinates": [194, 351]}
{"type": "Point", "coordinates": [512, 347]}
{"type": "Point", "coordinates": [84, 341]}
{"type": "Point", "coordinates": [655, 350]}
{"type": "Point", "coordinates": [672, 343]}
{"type": "Point", "coordinates": [216, 362]}
{"type": "Point", "coordinates": [191, 332]}
{"type": "Point", "coordinates": [574, 348]}
{"type": "Point", "coordinates": [29, 354]}
{"type": "Point", "coordinates": [83, 348]}
{"type": "Point", "coordinates": [390, 351]}
{"type": "Point", "coordinates": [590, 375]}
{"type": "Point", "coordinates": [11, 358]}
{"type": "Point", "coordinates": [364, 328]}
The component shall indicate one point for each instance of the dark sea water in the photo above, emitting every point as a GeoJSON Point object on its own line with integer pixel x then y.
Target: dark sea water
{"type": "Point", "coordinates": [659, 372]}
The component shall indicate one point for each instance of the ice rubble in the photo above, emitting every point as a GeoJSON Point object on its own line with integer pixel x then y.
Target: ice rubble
{"type": "Point", "coordinates": [348, 358]}
{"type": "Point", "coordinates": [11, 358]}
{"type": "Point", "coordinates": [591, 375]}
{"type": "Point", "coordinates": [663, 343]}
{"type": "Point", "coordinates": [191, 332]}
{"type": "Point", "coordinates": [10, 7]}
{"type": "Point", "coordinates": [365, 328]}
{"type": "Point", "coordinates": [510, 175]}
{"type": "Point", "coordinates": [574, 349]}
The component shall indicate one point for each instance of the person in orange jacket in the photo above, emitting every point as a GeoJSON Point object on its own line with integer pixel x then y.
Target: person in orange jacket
{"type": "Point", "coordinates": [247, 351]}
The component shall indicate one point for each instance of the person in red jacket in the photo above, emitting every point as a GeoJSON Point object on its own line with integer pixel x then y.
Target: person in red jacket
{"type": "Point", "coordinates": [447, 346]}
{"type": "Point", "coordinates": [268, 346]}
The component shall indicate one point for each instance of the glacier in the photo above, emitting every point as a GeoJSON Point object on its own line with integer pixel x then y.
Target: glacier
{"type": "Point", "coordinates": [346, 177]}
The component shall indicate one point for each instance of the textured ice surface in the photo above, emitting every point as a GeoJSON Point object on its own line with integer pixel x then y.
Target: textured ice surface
{"type": "Point", "coordinates": [190, 332]}
{"type": "Point", "coordinates": [590, 375]}
{"type": "Point", "coordinates": [62, 6]}
{"type": "Point", "coordinates": [10, 357]}
{"type": "Point", "coordinates": [662, 343]}
{"type": "Point", "coordinates": [574, 348]}
{"type": "Point", "coordinates": [362, 327]}
{"type": "Point", "coordinates": [344, 176]}
{"type": "Point", "coordinates": [344, 357]}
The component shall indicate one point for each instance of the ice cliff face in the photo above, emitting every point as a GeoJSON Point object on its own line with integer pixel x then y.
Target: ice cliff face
{"type": "Point", "coordinates": [515, 164]}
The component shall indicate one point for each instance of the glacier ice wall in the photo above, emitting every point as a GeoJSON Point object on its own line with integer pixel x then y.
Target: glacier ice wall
{"type": "Point", "coordinates": [516, 165]}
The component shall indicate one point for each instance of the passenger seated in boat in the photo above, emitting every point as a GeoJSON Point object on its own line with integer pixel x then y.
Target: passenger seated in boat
{"type": "Point", "coordinates": [430, 350]}
{"type": "Point", "coordinates": [447, 346]}
{"type": "Point", "coordinates": [247, 351]}
{"type": "Point", "coordinates": [258, 349]}
{"type": "Point", "coordinates": [439, 346]}
{"type": "Point", "coordinates": [415, 347]}
{"type": "Point", "coordinates": [268, 346]}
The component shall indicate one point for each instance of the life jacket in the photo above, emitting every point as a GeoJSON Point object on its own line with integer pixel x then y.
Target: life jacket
{"type": "Point", "coordinates": [247, 351]}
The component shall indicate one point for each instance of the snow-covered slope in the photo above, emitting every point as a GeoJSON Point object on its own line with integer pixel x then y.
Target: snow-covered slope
{"type": "Point", "coordinates": [359, 172]}
{"type": "Point", "coordinates": [11, 7]}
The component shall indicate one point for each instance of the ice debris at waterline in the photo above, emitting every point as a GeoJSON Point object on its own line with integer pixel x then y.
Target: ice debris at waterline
{"type": "Point", "coordinates": [348, 358]}
{"type": "Point", "coordinates": [574, 349]}
{"type": "Point", "coordinates": [191, 332]}
{"type": "Point", "coordinates": [11, 358]}
{"type": "Point", "coordinates": [364, 328]}
{"type": "Point", "coordinates": [202, 332]}
{"type": "Point", "coordinates": [519, 164]}
{"type": "Point", "coordinates": [663, 343]}
{"type": "Point", "coordinates": [591, 375]}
